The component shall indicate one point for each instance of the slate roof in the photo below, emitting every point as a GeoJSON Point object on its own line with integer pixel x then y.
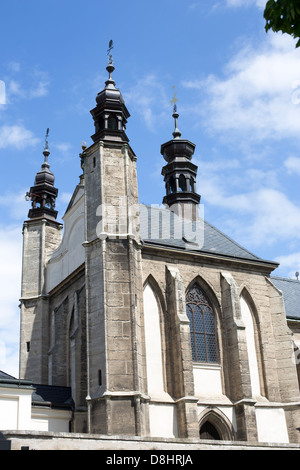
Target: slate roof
{"type": "Point", "coordinates": [47, 395]}
{"type": "Point", "coordinates": [4, 376]}
{"type": "Point", "coordinates": [291, 294]}
{"type": "Point", "coordinates": [52, 395]}
{"type": "Point", "coordinates": [160, 227]}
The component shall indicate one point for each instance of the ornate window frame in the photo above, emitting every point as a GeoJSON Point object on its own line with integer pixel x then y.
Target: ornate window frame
{"type": "Point", "coordinates": [203, 326]}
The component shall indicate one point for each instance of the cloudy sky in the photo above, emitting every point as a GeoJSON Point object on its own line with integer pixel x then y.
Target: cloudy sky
{"type": "Point", "coordinates": [238, 92]}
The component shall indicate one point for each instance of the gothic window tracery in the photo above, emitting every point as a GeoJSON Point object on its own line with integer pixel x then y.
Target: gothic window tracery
{"type": "Point", "coordinates": [202, 326]}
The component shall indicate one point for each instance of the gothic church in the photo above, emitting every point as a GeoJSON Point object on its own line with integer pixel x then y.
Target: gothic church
{"type": "Point", "coordinates": [161, 325]}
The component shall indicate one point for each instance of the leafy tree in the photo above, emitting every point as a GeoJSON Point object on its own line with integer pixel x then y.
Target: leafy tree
{"type": "Point", "coordinates": [284, 16]}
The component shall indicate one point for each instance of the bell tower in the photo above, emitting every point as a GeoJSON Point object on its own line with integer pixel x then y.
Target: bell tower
{"type": "Point", "coordinates": [115, 373]}
{"type": "Point", "coordinates": [110, 115]}
{"type": "Point", "coordinates": [180, 175]}
{"type": "Point", "coordinates": [43, 194]}
{"type": "Point", "coordinates": [41, 235]}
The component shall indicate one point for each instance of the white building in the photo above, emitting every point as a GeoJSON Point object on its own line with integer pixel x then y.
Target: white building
{"type": "Point", "coordinates": [25, 406]}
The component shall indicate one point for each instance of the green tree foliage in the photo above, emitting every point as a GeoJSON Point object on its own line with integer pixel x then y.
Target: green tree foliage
{"type": "Point", "coordinates": [284, 16]}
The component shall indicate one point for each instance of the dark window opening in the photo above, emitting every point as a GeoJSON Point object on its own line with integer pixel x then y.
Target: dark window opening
{"type": "Point", "coordinates": [100, 124]}
{"type": "Point", "coordinates": [182, 183]}
{"type": "Point", "coordinates": [112, 123]}
{"type": "Point", "coordinates": [28, 346]}
{"type": "Point", "coordinates": [172, 184]}
{"type": "Point", "coordinates": [208, 431]}
{"type": "Point", "coordinates": [99, 377]}
{"type": "Point", "coordinates": [192, 185]}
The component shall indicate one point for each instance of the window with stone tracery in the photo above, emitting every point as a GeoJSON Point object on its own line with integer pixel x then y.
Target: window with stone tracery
{"type": "Point", "coordinates": [203, 326]}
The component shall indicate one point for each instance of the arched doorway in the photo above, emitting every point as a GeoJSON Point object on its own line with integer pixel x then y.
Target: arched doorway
{"type": "Point", "coordinates": [215, 425]}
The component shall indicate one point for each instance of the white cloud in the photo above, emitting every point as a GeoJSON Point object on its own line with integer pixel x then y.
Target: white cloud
{"type": "Point", "coordinates": [65, 197]}
{"type": "Point", "coordinates": [63, 147]}
{"type": "Point", "coordinates": [292, 164]}
{"type": "Point", "coordinates": [10, 290]}
{"type": "Point", "coordinates": [246, 3]}
{"type": "Point", "coordinates": [17, 136]}
{"type": "Point", "coordinates": [16, 89]}
{"type": "Point", "coordinates": [31, 84]}
{"type": "Point", "coordinates": [15, 203]}
{"type": "Point", "coordinates": [254, 211]}
{"type": "Point", "coordinates": [255, 98]}
{"type": "Point", "coordinates": [290, 263]}
{"type": "Point", "coordinates": [2, 92]}
{"type": "Point", "coordinates": [41, 89]}
{"type": "Point", "coordinates": [147, 98]}
{"type": "Point", "coordinates": [14, 66]}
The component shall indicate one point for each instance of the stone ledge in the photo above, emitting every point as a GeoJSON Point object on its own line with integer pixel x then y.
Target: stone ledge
{"type": "Point", "coordinates": [41, 440]}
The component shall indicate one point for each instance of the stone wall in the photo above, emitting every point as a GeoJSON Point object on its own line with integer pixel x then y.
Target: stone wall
{"type": "Point", "coordinates": [224, 282]}
{"type": "Point", "coordinates": [66, 441]}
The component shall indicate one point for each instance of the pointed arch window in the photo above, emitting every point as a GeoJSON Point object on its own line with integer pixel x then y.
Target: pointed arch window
{"type": "Point", "coordinates": [202, 326]}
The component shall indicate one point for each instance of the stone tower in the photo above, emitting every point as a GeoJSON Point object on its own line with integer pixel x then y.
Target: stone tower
{"type": "Point", "coordinates": [41, 235]}
{"type": "Point", "coordinates": [113, 271]}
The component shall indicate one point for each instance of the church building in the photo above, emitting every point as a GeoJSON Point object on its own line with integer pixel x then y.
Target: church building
{"type": "Point", "coordinates": [161, 325]}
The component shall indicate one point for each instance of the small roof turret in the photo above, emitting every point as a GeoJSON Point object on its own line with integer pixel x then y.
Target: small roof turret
{"type": "Point", "coordinates": [110, 115]}
{"type": "Point", "coordinates": [43, 194]}
{"type": "Point", "coordinates": [180, 174]}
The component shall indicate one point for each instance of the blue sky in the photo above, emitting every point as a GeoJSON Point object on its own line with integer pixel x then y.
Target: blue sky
{"type": "Point", "coordinates": [238, 92]}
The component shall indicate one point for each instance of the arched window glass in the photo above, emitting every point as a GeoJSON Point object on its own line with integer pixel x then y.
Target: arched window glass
{"type": "Point", "coordinates": [202, 326]}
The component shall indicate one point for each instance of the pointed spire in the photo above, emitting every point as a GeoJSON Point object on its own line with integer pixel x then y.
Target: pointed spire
{"type": "Point", "coordinates": [180, 173]}
{"type": "Point", "coordinates": [176, 133]}
{"type": "Point", "coordinates": [46, 151]}
{"type": "Point", "coordinates": [110, 83]}
{"type": "Point", "coordinates": [110, 114]}
{"type": "Point", "coordinates": [43, 194]}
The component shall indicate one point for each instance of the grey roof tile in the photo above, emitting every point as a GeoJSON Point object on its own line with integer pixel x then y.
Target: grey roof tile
{"type": "Point", "coordinates": [4, 376]}
{"type": "Point", "coordinates": [162, 227]}
{"type": "Point", "coordinates": [291, 294]}
{"type": "Point", "coordinates": [52, 395]}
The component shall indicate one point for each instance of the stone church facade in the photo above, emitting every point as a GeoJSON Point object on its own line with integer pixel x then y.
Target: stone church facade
{"type": "Point", "coordinates": [161, 325]}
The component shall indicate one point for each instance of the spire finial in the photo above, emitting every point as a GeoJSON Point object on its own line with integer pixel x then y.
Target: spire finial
{"type": "Point", "coordinates": [110, 47]}
{"type": "Point", "coordinates": [176, 133]}
{"type": "Point", "coordinates": [174, 99]}
{"type": "Point", "coordinates": [110, 83]}
{"type": "Point", "coordinates": [46, 151]}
